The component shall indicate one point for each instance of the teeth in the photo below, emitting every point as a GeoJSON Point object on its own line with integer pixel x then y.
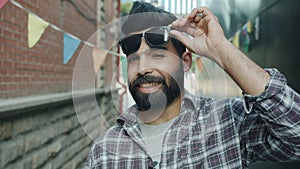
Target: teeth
{"type": "Point", "coordinates": [145, 85]}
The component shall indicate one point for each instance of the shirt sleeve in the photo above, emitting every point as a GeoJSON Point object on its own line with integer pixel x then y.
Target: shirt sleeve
{"type": "Point", "coordinates": [89, 161]}
{"type": "Point", "coordinates": [270, 130]}
{"type": "Point", "coordinates": [91, 158]}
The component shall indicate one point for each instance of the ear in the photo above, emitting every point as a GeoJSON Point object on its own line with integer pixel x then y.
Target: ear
{"type": "Point", "coordinates": [187, 61]}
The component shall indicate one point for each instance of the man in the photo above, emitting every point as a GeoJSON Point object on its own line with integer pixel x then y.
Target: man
{"type": "Point", "coordinates": [170, 128]}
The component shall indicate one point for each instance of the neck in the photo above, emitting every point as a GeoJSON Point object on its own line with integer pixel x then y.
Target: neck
{"type": "Point", "coordinates": [170, 112]}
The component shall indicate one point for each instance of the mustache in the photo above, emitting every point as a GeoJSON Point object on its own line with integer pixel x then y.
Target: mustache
{"type": "Point", "coordinates": [148, 79]}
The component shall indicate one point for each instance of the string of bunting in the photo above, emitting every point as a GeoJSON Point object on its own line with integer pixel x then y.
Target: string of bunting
{"type": "Point", "coordinates": [37, 26]}
{"type": "Point", "coordinates": [245, 37]}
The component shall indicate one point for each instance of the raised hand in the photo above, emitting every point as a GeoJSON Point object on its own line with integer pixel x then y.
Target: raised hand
{"type": "Point", "coordinates": [206, 34]}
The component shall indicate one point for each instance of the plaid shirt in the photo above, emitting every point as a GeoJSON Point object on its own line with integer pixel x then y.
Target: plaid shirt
{"type": "Point", "coordinates": [208, 133]}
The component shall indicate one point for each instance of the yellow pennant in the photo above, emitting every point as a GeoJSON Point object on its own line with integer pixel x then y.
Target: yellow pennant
{"type": "Point", "coordinates": [36, 27]}
{"type": "Point", "coordinates": [236, 40]}
{"type": "Point", "coordinates": [249, 26]}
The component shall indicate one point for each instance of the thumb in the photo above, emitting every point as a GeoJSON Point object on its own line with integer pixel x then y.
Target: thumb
{"type": "Point", "coordinates": [183, 38]}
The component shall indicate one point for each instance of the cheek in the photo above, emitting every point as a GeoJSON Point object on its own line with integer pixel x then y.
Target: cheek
{"type": "Point", "coordinates": [130, 80]}
{"type": "Point", "coordinates": [131, 73]}
{"type": "Point", "coordinates": [176, 74]}
{"type": "Point", "coordinates": [169, 67]}
{"type": "Point", "coordinates": [173, 70]}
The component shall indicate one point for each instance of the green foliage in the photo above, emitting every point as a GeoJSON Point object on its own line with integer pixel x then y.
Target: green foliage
{"type": "Point", "coordinates": [125, 7]}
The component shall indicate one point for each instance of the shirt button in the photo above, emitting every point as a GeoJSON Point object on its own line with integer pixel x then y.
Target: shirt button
{"type": "Point", "coordinates": [153, 165]}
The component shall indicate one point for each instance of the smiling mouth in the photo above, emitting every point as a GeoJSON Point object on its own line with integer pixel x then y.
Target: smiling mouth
{"type": "Point", "coordinates": [149, 87]}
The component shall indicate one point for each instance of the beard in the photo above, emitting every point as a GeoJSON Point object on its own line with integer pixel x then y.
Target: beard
{"type": "Point", "coordinates": [160, 98]}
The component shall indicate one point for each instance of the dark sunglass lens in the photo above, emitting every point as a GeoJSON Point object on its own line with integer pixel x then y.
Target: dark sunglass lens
{"type": "Point", "coordinates": [130, 44]}
{"type": "Point", "coordinates": [157, 37]}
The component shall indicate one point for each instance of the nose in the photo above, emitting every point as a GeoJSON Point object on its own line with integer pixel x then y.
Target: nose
{"type": "Point", "coordinates": [144, 66]}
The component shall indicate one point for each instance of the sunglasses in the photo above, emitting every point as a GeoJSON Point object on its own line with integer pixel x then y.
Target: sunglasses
{"type": "Point", "coordinates": [157, 37]}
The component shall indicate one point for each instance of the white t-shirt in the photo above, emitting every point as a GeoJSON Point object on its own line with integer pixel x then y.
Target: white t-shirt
{"type": "Point", "coordinates": [153, 136]}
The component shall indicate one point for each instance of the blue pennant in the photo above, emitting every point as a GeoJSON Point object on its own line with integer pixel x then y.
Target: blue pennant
{"type": "Point", "coordinates": [70, 46]}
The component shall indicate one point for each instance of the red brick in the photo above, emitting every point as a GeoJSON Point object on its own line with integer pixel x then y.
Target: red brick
{"type": "Point", "coordinates": [7, 79]}
{"type": "Point", "coordinates": [7, 64]}
{"type": "Point", "coordinates": [26, 79]}
{"type": "Point", "coordinates": [18, 65]}
{"type": "Point", "coordinates": [12, 87]}
{"type": "Point", "coordinates": [16, 27]}
{"type": "Point", "coordinates": [24, 86]}
{"type": "Point", "coordinates": [3, 71]}
{"type": "Point", "coordinates": [19, 51]}
{"type": "Point", "coordinates": [11, 72]}
{"type": "Point", "coordinates": [18, 79]}
{"type": "Point", "coordinates": [3, 87]}
{"type": "Point", "coordinates": [39, 69]}
{"type": "Point", "coordinates": [9, 48]}
{"type": "Point", "coordinates": [7, 33]}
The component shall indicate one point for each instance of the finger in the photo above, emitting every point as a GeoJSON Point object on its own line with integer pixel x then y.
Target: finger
{"type": "Point", "coordinates": [182, 38]}
{"type": "Point", "coordinates": [204, 10]}
{"type": "Point", "coordinates": [202, 23]}
{"type": "Point", "coordinates": [180, 22]}
{"type": "Point", "coordinates": [201, 16]}
{"type": "Point", "coordinates": [189, 29]}
{"type": "Point", "coordinates": [205, 22]}
{"type": "Point", "coordinates": [193, 13]}
{"type": "Point", "coordinates": [199, 13]}
{"type": "Point", "coordinates": [193, 27]}
{"type": "Point", "coordinates": [198, 18]}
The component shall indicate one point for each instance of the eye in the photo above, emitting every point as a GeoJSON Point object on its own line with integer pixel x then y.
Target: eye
{"type": "Point", "coordinates": [132, 58]}
{"type": "Point", "coordinates": [158, 56]}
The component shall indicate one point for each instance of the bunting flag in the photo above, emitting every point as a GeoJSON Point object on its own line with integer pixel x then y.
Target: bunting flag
{"type": "Point", "coordinates": [245, 42]}
{"type": "Point", "coordinates": [70, 46]}
{"type": "Point", "coordinates": [236, 40]}
{"type": "Point", "coordinates": [99, 57]}
{"type": "Point", "coordinates": [200, 64]}
{"type": "Point", "coordinates": [2, 3]}
{"type": "Point", "coordinates": [36, 27]}
{"type": "Point", "coordinates": [257, 27]}
{"type": "Point", "coordinates": [249, 26]}
{"type": "Point", "coordinates": [124, 67]}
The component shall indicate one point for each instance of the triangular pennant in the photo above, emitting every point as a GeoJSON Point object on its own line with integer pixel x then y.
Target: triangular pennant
{"type": "Point", "coordinates": [236, 40]}
{"type": "Point", "coordinates": [99, 57]}
{"type": "Point", "coordinates": [245, 42]}
{"type": "Point", "coordinates": [249, 26]}
{"type": "Point", "coordinates": [70, 46]}
{"type": "Point", "coordinates": [36, 27]}
{"type": "Point", "coordinates": [200, 64]}
{"type": "Point", "coordinates": [124, 67]}
{"type": "Point", "coordinates": [2, 3]}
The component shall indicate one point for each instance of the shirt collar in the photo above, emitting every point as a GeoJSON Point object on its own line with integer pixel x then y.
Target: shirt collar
{"type": "Point", "coordinates": [188, 97]}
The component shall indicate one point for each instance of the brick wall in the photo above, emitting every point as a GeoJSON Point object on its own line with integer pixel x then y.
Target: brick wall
{"type": "Point", "coordinates": [40, 70]}
{"type": "Point", "coordinates": [50, 136]}
{"type": "Point", "coordinates": [39, 127]}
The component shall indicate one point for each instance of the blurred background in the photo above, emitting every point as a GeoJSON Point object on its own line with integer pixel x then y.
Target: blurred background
{"type": "Point", "coordinates": [41, 43]}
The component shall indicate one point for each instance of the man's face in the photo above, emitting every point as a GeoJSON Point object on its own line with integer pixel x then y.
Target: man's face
{"type": "Point", "coordinates": [155, 72]}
